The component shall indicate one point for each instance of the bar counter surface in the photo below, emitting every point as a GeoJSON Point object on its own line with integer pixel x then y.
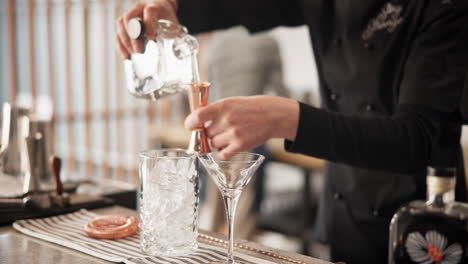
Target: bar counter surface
{"type": "Point", "coordinates": [17, 248]}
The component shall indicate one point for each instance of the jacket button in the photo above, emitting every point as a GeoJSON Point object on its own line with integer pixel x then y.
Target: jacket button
{"type": "Point", "coordinates": [333, 96]}
{"type": "Point", "coordinates": [337, 196]}
{"type": "Point", "coordinates": [337, 42]}
{"type": "Point", "coordinates": [369, 108]}
{"type": "Point", "coordinates": [369, 45]}
{"type": "Point", "coordinates": [375, 213]}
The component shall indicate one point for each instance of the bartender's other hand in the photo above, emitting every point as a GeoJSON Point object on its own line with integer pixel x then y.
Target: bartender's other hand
{"type": "Point", "coordinates": [150, 12]}
{"type": "Point", "coordinates": [243, 123]}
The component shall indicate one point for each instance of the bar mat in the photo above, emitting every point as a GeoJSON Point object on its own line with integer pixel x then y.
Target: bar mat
{"type": "Point", "coordinates": [67, 230]}
{"type": "Point", "coordinates": [12, 212]}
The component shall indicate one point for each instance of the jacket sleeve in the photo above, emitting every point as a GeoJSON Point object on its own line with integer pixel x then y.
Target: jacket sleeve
{"type": "Point", "coordinates": [256, 15]}
{"type": "Point", "coordinates": [400, 143]}
{"type": "Point", "coordinates": [426, 119]}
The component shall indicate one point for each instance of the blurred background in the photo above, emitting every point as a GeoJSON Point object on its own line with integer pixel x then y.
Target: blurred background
{"type": "Point", "coordinates": [58, 58]}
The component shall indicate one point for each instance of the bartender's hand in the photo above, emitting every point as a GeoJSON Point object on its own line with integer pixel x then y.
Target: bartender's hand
{"type": "Point", "coordinates": [242, 123]}
{"type": "Point", "coordinates": [150, 12]}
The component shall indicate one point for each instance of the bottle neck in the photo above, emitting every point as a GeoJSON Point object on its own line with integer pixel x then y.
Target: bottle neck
{"type": "Point", "coordinates": [440, 190]}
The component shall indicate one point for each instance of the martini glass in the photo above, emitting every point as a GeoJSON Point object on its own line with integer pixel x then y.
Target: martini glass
{"type": "Point", "coordinates": [231, 176]}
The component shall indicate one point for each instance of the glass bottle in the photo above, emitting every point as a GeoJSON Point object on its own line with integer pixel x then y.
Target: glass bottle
{"type": "Point", "coordinates": [434, 231]}
{"type": "Point", "coordinates": [168, 64]}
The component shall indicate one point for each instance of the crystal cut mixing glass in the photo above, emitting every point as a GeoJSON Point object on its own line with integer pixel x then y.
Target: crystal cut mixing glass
{"type": "Point", "coordinates": [168, 202]}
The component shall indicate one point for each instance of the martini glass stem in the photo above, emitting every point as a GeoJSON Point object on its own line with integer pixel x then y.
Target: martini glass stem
{"type": "Point", "coordinates": [230, 201]}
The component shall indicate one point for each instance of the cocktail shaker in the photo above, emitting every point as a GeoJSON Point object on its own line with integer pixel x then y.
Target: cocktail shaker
{"type": "Point", "coordinates": [15, 128]}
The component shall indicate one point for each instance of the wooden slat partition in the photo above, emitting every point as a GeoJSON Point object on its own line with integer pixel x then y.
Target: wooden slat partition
{"type": "Point", "coordinates": [70, 92]}
{"type": "Point", "coordinates": [104, 171]}
{"type": "Point", "coordinates": [50, 47]}
{"type": "Point", "coordinates": [133, 172]}
{"type": "Point", "coordinates": [120, 173]}
{"type": "Point", "coordinates": [51, 64]}
{"type": "Point", "coordinates": [71, 159]}
{"type": "Point", "coordinates": [12, 65]}
{"type": "Point", "coordinates": [32, 51]}
{"type": "Point", "coordinates": [104, 115]}
{"type": "Point", "coordinates": [87, 90]}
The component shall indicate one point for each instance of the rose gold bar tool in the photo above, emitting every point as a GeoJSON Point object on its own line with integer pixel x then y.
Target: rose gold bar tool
{"type": "Point", "coordinates": [198, 97]}
{"type": "Point", "coordinates": [58, 198]}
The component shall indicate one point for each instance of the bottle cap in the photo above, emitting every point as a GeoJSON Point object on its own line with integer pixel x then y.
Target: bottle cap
{"type": "Point", "coordinates": [136, 28]}
{"type": "Point", "coordinates": [440, 179]}
{"type": "Point", "coordinates": [440, 185]}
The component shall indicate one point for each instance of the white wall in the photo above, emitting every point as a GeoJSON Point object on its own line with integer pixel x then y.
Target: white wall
{"type": "Point", "coordinates": [300, 71]}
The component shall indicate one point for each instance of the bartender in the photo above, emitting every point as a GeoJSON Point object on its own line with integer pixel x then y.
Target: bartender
{"type": "Point", "coordinates": [391, 79]}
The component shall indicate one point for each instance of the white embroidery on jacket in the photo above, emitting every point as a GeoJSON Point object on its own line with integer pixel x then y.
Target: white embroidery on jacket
{"type": "Point", "coordinates": [389, 18]}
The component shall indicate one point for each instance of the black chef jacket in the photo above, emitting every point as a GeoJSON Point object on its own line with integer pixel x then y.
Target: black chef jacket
{"type": "Point", "coordinates": [391, 79]}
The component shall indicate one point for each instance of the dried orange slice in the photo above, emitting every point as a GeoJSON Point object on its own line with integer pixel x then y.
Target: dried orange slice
{"type": "Point", "coordinates": [112, 226]}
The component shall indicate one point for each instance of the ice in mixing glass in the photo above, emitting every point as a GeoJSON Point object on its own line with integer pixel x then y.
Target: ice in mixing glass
{"type": "Point", "coordinates": [168, 202]}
